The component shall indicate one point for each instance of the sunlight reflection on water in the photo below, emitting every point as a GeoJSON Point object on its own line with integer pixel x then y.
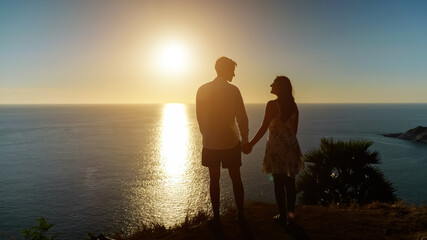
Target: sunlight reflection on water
{"type": "Point", "coordinates": [174, 150]}
{"type": "Point", "coordinates": [172, 184]}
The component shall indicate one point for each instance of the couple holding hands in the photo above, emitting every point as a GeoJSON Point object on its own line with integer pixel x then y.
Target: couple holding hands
{"type": "Point", "coordinates": [222, 121]}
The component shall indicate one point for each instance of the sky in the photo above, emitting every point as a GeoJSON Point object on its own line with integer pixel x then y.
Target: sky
{"type": "Point", "coordinates": [333, 51]}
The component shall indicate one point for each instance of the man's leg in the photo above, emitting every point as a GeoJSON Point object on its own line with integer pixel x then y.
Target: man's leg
{"type": "Point", "coordinates": [214, 174]}
{"type": "Point", "coordinates": [238, 190]}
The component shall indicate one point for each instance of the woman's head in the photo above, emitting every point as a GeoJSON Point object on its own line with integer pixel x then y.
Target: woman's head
{"type": "Point", "coordinates": [282, 87]}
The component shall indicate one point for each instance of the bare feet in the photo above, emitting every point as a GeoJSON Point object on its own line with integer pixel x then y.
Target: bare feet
{"type": "Point", "coordinates": [291, 218]}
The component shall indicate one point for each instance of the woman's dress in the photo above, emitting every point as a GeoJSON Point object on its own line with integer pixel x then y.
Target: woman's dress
{"type": "Point", "coordinates": [283, 154]}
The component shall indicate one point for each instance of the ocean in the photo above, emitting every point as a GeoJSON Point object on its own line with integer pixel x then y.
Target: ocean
{"type": "Point", "coordinates": [112, 168]}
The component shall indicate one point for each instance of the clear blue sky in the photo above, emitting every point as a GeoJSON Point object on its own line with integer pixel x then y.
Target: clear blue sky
{"type": "Point", "coordinates": [106, 51]}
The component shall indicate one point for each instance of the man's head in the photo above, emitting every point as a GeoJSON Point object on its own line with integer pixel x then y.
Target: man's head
{"type": "Point", "coordinates": [225, 68]}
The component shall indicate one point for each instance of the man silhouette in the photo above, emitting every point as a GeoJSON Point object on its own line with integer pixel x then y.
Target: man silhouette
{"type": "Point", "coordinates": [219, 105]}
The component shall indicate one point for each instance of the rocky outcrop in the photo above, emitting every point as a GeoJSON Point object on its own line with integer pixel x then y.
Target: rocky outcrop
{"type": "Point", "coordinates": [418, 134]}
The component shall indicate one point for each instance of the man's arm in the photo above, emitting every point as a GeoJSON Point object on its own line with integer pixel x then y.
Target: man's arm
{"type": "Point", "coordinates": [242, 118]}
{"type": "Point", "coordinates": [199, 110]}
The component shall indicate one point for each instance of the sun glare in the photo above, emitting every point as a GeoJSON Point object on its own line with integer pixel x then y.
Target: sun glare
{"type": "Point", "coordinates": [174, 140]}
{"type": "Point", "coordinates": [172, 58]}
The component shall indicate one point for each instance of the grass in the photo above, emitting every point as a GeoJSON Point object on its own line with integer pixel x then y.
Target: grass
{"type": "Point", "coordinates": [397, 221]}
{"type": "Point", "coordinates": [370, 221]}
{"type": "Point", "coordinates": [158, 231]}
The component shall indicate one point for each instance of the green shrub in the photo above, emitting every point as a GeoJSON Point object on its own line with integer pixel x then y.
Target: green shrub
{"type": "Point", "coordinates": [39, 232]}
{"type": "Point", "coordinates": [342, 172]}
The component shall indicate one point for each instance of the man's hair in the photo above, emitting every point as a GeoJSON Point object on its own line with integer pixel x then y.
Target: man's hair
{"type": "Point", "coordinates": [224, 64]}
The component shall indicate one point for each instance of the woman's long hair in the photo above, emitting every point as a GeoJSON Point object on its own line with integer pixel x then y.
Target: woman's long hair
{"type": "Point", "coordinates": [285, 97]}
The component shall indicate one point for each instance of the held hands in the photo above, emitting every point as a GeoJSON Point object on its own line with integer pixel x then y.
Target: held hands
{"type": "Point", "coordinates": [246, 148]}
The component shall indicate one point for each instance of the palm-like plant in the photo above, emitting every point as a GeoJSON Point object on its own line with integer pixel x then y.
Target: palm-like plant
{"type": "Point", "coordinates": [341, 172]}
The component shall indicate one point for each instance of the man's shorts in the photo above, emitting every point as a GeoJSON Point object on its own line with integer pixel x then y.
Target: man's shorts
{"type": "Point", "coordinates": [228, 157]}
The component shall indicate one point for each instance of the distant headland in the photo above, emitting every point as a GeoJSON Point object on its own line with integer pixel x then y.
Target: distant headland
{"type": "Point", "coordinates": [418, 134]}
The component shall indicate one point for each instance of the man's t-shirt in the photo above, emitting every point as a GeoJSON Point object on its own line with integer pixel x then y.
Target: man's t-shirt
{"type": "Point", "coordinates": [219, 105]}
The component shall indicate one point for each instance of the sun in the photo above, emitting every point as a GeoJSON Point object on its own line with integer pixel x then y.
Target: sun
{"type": "Point", "coordinates": [172, 58]}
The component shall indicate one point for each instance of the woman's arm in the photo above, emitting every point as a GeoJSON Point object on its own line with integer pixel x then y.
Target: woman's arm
{"type": "Point", "coordinates": [269, 113]}
{"type": "Point", "coordinates": [296, 122]}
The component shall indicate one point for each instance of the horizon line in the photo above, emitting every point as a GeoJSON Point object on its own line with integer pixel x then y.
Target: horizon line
{"type": "Point", "coordinates": [142, 103]}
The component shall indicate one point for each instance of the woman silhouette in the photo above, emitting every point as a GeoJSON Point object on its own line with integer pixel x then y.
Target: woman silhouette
{"type": "Point", "coordinates": [283, 158]}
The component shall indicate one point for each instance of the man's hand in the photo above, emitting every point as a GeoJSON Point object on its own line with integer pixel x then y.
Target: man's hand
{"type": "Point", "coordinates": [246, 148]}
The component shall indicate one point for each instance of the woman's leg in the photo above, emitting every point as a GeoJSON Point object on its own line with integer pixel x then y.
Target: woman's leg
{"type": "Point", "coordinates": [279, 191]}
{"type": "Point", "coordinates": [291, 196]}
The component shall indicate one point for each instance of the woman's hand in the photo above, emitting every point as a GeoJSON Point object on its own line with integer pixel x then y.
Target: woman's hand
{"type": "Point", "coordinates": [246, 148]}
